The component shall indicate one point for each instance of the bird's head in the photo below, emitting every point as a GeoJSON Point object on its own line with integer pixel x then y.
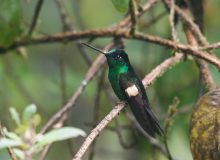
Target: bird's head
{"type": "Point", "coordinates": [116, 58]}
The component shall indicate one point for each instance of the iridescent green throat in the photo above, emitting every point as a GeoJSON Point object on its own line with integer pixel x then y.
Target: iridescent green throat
{"type": "Point", "coordinates": [123, 69]}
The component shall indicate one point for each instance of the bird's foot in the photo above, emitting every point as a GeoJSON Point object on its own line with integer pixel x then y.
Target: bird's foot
{"type": "Point", "coordinates": [121, 103]}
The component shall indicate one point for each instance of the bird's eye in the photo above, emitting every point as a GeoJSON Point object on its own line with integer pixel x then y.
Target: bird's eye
{"type": "Point", "coordinates": [118, 57]}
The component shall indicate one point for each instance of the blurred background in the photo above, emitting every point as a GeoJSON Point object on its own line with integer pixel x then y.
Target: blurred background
{"type": "Point", "coordinates": [48, 75]}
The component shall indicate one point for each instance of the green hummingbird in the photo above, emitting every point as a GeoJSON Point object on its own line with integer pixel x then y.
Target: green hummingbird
{"type": "Point", "coordinates": [129, 88]}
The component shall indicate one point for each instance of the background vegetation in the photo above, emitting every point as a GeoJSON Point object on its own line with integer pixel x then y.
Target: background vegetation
{"type": "Point", "coordinates": [41, 64]}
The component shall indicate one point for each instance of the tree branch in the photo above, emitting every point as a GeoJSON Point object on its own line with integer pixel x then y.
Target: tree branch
{"type": "Point", "coordinates": [186, 49]}
{"type": "Point", "coordinates": [35, 17]}
{"type": "Point", "coordinates": [211, 46]}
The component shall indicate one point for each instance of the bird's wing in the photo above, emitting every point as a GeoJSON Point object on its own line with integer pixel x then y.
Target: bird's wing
{"type": "Point", "coordinates": [137, 99]}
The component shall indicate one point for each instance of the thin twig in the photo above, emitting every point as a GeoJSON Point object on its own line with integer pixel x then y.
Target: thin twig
{"type": "Point", "coordinates": [133, 9]}
{"type": "Point", "coordinates": [63, 87]}
{"type": "Point", "coordinates": [182, 111]}
{"type": "Point", "coordinates": [189, 21]}
{"type": "Point", "coordinates": [155, 19]}
{"type": "Point", "coordinates": [67, 26]}
{"type": "Point", "coordinates": [10, 151]}
{"type": "Point", "coordinates": [97, 110]}
{"type": "Point", "coordinates": [211, 46]}
{"type": "Point", "coordinates": [110, 128]}
{"type": "Point", "coordinates": [203, 66]}
{"type": "Point", "coordinates": [45, 152]}
{"type": "Point", "coordinates": [126, 22]}
{"type": "Point", "coordinates": [120, 137]}
{"type": "Point", "coordinates": [35, 17]}
{"type": "Point", "coordinates": [168, 122]}
{"type": "Point", "coordinates": [66, 22]}
{"type": "Point", "coordinates": [161, 69]}
{"type": "Point", "coordinates": [172, 23]}
{"type": "Point", "coordinates": [206, 74]}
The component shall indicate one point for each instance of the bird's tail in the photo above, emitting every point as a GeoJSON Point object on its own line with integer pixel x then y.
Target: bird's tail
{"type": "Point", "coordinates": [154, 125]}
{"type": "Point", "coordinates": [147, 120]}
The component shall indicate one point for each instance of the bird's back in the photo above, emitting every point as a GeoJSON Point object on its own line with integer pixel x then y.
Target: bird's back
{"type": "Point", "coordinates": [141, 108]}
{"type": "Point", "coordinates": [139, 104]}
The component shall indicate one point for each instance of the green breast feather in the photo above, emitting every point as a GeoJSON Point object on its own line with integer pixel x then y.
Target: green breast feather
{"type": "Point", "coordinates": [113, 76]}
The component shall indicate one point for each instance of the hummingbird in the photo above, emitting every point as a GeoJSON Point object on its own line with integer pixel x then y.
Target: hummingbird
{"type": "Point", "coordinates": [129, 88]}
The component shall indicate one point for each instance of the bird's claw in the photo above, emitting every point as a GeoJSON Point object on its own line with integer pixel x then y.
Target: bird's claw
{"type": "Point", "coordinates": [121, 103]}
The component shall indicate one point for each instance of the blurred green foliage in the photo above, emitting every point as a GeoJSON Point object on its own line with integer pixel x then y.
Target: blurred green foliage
{"type": "Point", "coordinates": [24, 139]}
{"type": "Point", "coordinates": [36, 77]}
{"type": "Point", "coordinates": [121, 5]}
{"type": "Point", "coordinates": [10, 21]}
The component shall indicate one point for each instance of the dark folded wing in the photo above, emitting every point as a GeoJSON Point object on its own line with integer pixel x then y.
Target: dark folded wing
{"type": "Point", "coordinates": [139, 103]}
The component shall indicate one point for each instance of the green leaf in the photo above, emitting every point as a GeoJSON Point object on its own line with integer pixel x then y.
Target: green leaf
{"type": "Point", "coordinates": [10, 18]}
{"type": "Point", "coordinates": [19, 153]}
{"type": "Point", "coordinates": [5, 142]}
{"type": "Point", "coordinates": [59, 135]}
{"type": "Point", "coordinates": [29, 112]}
{"type": "Point", "coordinates": [15, 115]}
{"type": "Point", "coordinates": [121, 5]}
{"type": "Point", "coordinates": [11, 135]}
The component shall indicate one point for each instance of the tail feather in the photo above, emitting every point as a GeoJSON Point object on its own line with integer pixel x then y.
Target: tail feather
{"type": "Point", "coordinates": [146, 118]}
{"type": "Point", "coordinates": [154, 122]}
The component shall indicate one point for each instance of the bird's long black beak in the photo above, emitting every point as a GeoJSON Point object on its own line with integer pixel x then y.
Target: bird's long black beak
{"type": "Point", "coordinates": [99, 50]}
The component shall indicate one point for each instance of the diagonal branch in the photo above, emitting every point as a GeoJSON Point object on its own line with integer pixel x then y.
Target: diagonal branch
{"type": "Point", "coordinates": [133, 8]}
{"type": "Point", "coordinates": [35, 17]}
{"type": "Point", "coordinates": [189, 21]}
{"type": "Point", "coordinates": [88, 77]}
{"type": "Point", "coordinates": [192, 40]}
{"type": "Point", "coordinates": [211, 46]}
{"type": "Point", "coordinates": [126, 22]}
{"type": "Point", "coordinates": [95, 132]}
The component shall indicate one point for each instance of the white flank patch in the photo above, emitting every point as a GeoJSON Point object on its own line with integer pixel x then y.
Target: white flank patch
{"type": "Point", "coordinates": [132, 91]}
